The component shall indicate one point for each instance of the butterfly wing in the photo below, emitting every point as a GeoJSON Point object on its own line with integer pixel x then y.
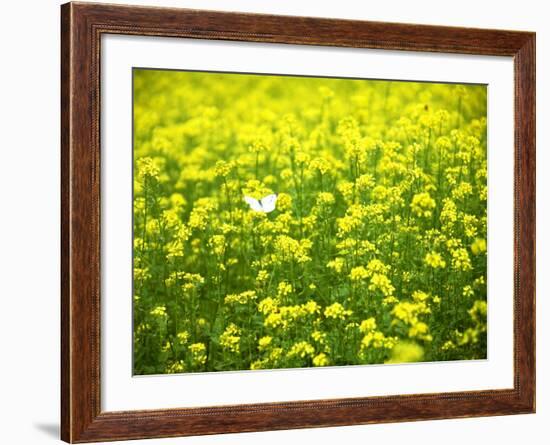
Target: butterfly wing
{"type": "Point", "coordinates": [268, 203]}
{"type": "Point", "coordinates": [254, 204]}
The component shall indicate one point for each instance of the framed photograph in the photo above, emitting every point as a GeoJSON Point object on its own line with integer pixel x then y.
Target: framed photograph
{"type": "Point", "coordinates": [274, 222]}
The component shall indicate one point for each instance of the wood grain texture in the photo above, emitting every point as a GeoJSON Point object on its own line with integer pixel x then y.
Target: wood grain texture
{"type": "Point", "coordinates": [82, 26]}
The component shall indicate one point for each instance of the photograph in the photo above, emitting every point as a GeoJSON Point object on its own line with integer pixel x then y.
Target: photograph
{"type": "Point", "coordinates": [284, 221]}
{"type": "Point", "coordinates": [275, 222]}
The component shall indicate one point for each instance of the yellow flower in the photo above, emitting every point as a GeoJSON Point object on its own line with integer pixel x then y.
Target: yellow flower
{"type": "Point", "coordinates": [422, 205]}
{"type": "Point", "coordinates": [420, 330]}
{"type": "Point", "coordinates": [159, 311]}
{"type": "Point", "coordinates": [433, 259]}
{"type": "Point", "coordinates": [231, 337]}
{"type": "Point", "coordinates": [321, 359]}
{"type": "Point", "coordinates": [198, 352]}
{"type": "Point", "coordinates": [479, 246]}
{"type": "Point", "coordinates": [461, 259]}
{"type": "Point", "coordinates": [258, 364]}
{"type": "Point", "coordinates": [183, 337]}
{"type": "Point", "coordinates": [262, 277]}
{"type": "Point", "coordinates": [176, 367]}
{"type": "Point", "coordinates": [359, 273]}
{"type": "Point", "coordinates": [223, 169]}
{"type": "Point", "coordinates": [264, 342]}
{"type": "Point", "coordinates": [311, 307]}
{"type": "Point", "coordinates": [242, 298]}
{"type": "Point", "coordinates": [448, 214]}
{"type": "Point", "coordinates": [382, 283]}
{"type": "Point", "coordinates": [337, 311]}
{"type": "Point", "coordinates": [146, 169]}
{"type": "Point", "coordinates": [217, 244]}
{"type": "Point", "coordinates": [325, 199]}
{"type": "Point", "coordinates": [268, 305]}
{"type": "Point", "coordinates": [337, 265]}
{"type": "Point", "coordinates": [405, 352]}
{"type": "Point", "coordinates": [409, 312]}
{"type": "Point", "coordinates": [301, 349]}
{"type": "Point", "coordinates": [319, 337]}
{"type": "Point", "coordinates": [420, 296]}
{"type": "Point", "coordinates": [275, 320]}
{"type": "Point", "coordinates": [464, 189]}
{"type": "Point", "coordinates": [478, 312]}
{"type": "Point", "coordinates": [377, 266]}
{"type": "Point", "coordinates": [368, 325]}
{"type": "Point", "coordinates": [284, 202]}
{"type": "Point", "coordinates": [288, 249]}
{"type": "Point", "coordinates": [365, 182]}
{"type": "Point", "coordinates": [321, 165]}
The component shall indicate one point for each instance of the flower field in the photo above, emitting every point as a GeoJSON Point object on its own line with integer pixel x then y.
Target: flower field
{"type": "Point", "coordinates": [374, 250]}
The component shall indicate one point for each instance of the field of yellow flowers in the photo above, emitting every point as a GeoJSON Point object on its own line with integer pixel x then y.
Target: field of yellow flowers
{"type": "Point", "coordinates": [375, 251]}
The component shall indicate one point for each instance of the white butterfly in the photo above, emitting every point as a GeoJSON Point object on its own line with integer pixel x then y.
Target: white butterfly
{"type": "Point", "coordinates": [266, 204]}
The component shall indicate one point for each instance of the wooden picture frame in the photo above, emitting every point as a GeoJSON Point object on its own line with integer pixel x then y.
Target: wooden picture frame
{"type": "Point", "coordinates": [82, 25]}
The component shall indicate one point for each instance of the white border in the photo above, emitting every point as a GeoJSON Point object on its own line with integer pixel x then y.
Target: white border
{"type": "Point", "coordinates": [121, 391]}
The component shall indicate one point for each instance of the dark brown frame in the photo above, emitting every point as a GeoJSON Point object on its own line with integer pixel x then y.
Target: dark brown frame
{"type": "Point", "coordinates": [82, 25]}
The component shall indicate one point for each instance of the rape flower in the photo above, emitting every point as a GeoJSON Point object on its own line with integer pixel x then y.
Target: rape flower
{"type": "Point", "coordinates": [284, 289]}
{"type": "Point", "coordinates": [311, 307]}
{"type": "Point", "coordinates": [262, 277]}
{"type": "Point", "coordinates": [365, 182]}
{"type": "Point", "coordinates": [264, 342]}
{"type": "Point", "coordinates": [183, 337]}
{"type": "Point", "coordinates": [301, 349]}
{"type": "Point", "coordinates": [217, 243]}
{"type": "Point", "coordinates": [337, 311]}
{"type": "Point", "coordinates": [479, 246]}
{"type": "Point", "coordinates": [230, 339]}
{"type": "Point", "coordinates": [147, 170]}
{"type": "Point", "coordinates": [176, 367]}
{"type": "Point", "coordinates": [470, 225]}
{"type": "Point", "coordinates": [420, 296]}
{"type": "Point", "coordinates": [159, 311]}
{"type": "Point", "coordinates": [268, 306]}
{"type": "Point", "coordinates": [289, 249]}
{"type": "Point", "coordinates": [319, 337]}
{"type": "Point", "coordinates": [325, 199]}
{"type": "Point", "coordinates": [377, 340]}
{"type": "Point", "coordinates": [461, 259]}
{"type": "Point", "coordinates": [448, 346]}
{"type": "Point", "coordinates": [242, 298]}
{"type": "Point", "coordinates": [449, 213]}
{"type": "Point", "coordinates": [434, 259]}
{"type": "Point", "coordinates": [368, 325]}
{"type": "Point", "coordinates": [198, 352]}
{"type": "Point", "coordinates": [359, 273]}
{"type": "Point", "coordinates": [258, 364]}
{"type": "Point", "coordinates": [284, 202]}
{"type": "Point", "coordinates": [464, 189]}
{"type": "Point", "coordinates": [422, 205]}
{"type": "Point", "coordinates": [321, 359]}
{"type": "Point", "coordinates": [406, 352]}
{"type": "Point", "coordinates": [337, 265]}
{"type": "Point", "coordinates": [381, 283]}
{"type": "Point", "coordinates": [223, 169]}
{"type": "Point", "coordinates": [321, 165]}
{"type": "Point", "coordinates": [478, 312]}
